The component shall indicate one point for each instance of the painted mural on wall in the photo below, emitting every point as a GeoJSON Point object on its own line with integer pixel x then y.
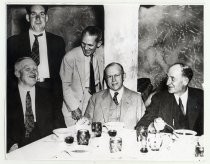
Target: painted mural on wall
{"type": "Point", "coordinates": [169, 34]}
{"type": "Point", "coordinates": [67, 21]}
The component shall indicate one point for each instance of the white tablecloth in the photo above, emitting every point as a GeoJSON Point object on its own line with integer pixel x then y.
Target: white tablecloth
{"type": "Point", "coordinates": [50, 148]}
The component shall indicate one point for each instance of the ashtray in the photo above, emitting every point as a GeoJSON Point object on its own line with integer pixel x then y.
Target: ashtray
{"type": "Point", "coordinates": [112, 133]}
{"type": "Point", "coordinates": [69, 139]}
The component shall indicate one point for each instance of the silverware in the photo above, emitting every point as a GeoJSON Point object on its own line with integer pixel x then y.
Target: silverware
{"type": "Point", "coordinates": [67, 152]}
{"type": "Point", "coordinates": [172, 129]}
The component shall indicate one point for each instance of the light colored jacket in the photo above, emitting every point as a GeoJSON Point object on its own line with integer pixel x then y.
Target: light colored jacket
{"type": "Point", "coordinates": [72, 73]}
{"type": "Point", "coordinates": [132, 107]}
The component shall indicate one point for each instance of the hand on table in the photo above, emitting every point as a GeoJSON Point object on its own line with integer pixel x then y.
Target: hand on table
{"type": "Point", "coordinates": [83, 121]}
{"type": "Point", "coordinates": [76, 114]}
{"type": "Point", "coordinates": [159, 124]}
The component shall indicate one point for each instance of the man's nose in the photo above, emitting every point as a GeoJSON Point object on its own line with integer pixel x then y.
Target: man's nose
{"type": "Point", "coordinates": [113, 78]}
{"type": "Point", "coordinates": [86, 47]}
{"type": "Point", "coordinates": [38, 16]}
{"type": "Point", "coordinates": [168, 81]}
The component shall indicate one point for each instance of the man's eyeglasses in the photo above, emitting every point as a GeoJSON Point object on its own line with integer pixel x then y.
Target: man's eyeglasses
{"type": "Point", "coordinates": [109, 77]}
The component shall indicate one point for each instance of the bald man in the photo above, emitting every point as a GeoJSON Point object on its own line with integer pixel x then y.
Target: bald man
{"type": "Point", "coordinates": [117, 103]}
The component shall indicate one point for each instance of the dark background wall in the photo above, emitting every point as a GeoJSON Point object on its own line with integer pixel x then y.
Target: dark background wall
{"type": "Point", "coordinates": [169, 34]}
{"type": "Point", "coordinates": [67, 21]}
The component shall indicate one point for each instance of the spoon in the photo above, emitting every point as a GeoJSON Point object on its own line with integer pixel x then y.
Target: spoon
{"type": "Point", "coordinates": [172, 129]}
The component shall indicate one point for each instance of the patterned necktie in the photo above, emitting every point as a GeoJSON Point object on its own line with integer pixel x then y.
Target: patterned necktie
{"type": "Point", "coordinates": [35, 50]}
{"type": "Point", "coordinates": [29, 117]}
{"type": "Point", "coordinates": [181, 106]}
{"type": "Point", "coordinates": [115, 98]}
{"type": "Point", "coordinates": [92, 88]}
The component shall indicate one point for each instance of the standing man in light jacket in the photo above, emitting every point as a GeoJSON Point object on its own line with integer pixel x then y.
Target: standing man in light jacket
{"type": "Point", "coordinates": [82, 74]}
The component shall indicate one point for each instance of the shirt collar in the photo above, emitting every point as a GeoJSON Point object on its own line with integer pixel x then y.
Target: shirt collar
{"type": "Point", "coordinates": [32, 33]}
{"type": "Point", "coordinates": [22, 89]}
{"type": "Point", "coordinates": [184, 96]}
{"type": "Point", "coordinates": [119, 91]}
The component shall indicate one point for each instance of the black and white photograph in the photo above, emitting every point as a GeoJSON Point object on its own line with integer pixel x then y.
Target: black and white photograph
{"type": "Point", "coordinates": [105, 81]}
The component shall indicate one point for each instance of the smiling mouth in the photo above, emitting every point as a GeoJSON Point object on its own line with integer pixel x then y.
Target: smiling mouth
{"type": "Point", "coordinates": [32, 76]}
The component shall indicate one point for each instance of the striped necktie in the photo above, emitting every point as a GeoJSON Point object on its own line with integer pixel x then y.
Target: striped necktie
{"type": "Point", "coordinates": [35, 50]}
{"type": "Point", "coordinates": [29, 117]}
{"type": "Point", "coordinates": [115, 98]}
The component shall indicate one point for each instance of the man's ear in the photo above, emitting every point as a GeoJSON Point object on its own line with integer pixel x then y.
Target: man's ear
{"type": "Point", "coordinates": [27, 18]}
{"type": "Point", "coordinates": [17, 74]}
{"type": "Point", "coordinates": [46, 18]}
{"type": "Point", "coordinates": [185, 81]}
{"type": "Point", "coordinates": [99, 44]}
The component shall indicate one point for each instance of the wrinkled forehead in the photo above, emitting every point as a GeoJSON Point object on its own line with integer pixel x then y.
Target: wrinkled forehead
{"type": "Point", "coordinates": [114, 69]}
{"type": "Point", "coordinates": [27, 63]}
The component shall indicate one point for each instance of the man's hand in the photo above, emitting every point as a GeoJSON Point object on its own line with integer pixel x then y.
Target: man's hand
{"type": "Point", "coordinates": [76, 114]}
{"type": "Point", "coordinates": [159, 124]}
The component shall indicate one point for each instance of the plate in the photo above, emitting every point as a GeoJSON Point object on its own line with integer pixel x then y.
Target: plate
{"type": "Point", "coordinates": [62, 133]}
{"type": "Point", "coordinates": [185, 132]}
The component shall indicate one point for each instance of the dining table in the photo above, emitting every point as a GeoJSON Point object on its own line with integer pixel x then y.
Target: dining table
{"type": "Point", "coordinates": [172, 148]}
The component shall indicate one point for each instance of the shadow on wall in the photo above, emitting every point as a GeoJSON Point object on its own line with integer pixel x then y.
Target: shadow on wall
{"type": "Point", "coordinates": [169, 34]}
{"type": "Point", "coordinates": [67, 21]}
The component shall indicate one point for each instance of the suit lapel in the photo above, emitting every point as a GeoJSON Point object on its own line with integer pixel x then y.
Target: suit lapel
{"type": "Point", "coordinates": [80, 64]}
{"type": "Point", "coordinates": [25, 46]}
{"type": "Point", "coordinates": [191, 109]}
{"type": "Point", "coordinates": [19, 107]}
{"type": "Point", "coordinates": [50, 47]}
{"type": "Point", "coordinates": [105, 104]}
{"type": "Point", "coordinates": [126, 101]}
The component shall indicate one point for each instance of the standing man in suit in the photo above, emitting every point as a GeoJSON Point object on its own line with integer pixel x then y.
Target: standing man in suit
{"type": "Point", "coordinates": [46, 49]}
{"type": "Point", "coordinates": [180, 106]}
{"type": "Point", "coordinates": [117, 103]}
{"type": "Point", "coordinates": [82, 74]}
{"type": "Point", "coordinates": [29, 107]}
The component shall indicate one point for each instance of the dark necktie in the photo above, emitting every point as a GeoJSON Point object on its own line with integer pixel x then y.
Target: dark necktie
{"type": "Point", "coordinates": [115, 98]}
{"type": "Point", "coordinates": [92, 88]}
{"type": "Point", "coordinates": [35, 50]}
{"type": "Point", "coordinates": [29, 117]}
{"type": "Point", "coordinates": [181, 106]}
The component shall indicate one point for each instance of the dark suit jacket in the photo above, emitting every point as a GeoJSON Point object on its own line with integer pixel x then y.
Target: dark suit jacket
{"type": "Point", "coordinates": [19, 46]}
{"type": "Point", "coordinates": [164, 105]}
{"type": "Point", "coordinates": [15, 117]}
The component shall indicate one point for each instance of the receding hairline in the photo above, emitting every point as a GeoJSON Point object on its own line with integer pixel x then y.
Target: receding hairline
{"type": "Point", "coordinates": [114, 64]}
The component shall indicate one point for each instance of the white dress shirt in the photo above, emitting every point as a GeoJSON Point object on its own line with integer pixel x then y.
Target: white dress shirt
{"type": "Point", "coordinates": [87, 70]}
{"type": "Point", "coordinates": [184, 98]}
{"type": "Point", "coordinates": [43, 67]}
{"type": "Point", "coordinates": [23, 93]}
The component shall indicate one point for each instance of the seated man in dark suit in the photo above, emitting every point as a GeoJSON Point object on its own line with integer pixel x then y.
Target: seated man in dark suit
{"type": "Point", "coordinates": [180, 106]}
{"type": "Point", "coordinates": [29, 107]}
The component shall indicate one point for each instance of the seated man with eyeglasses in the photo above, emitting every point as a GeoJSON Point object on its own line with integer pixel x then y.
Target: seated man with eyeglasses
{"type": "Point", "coordinates": [117, 103]}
